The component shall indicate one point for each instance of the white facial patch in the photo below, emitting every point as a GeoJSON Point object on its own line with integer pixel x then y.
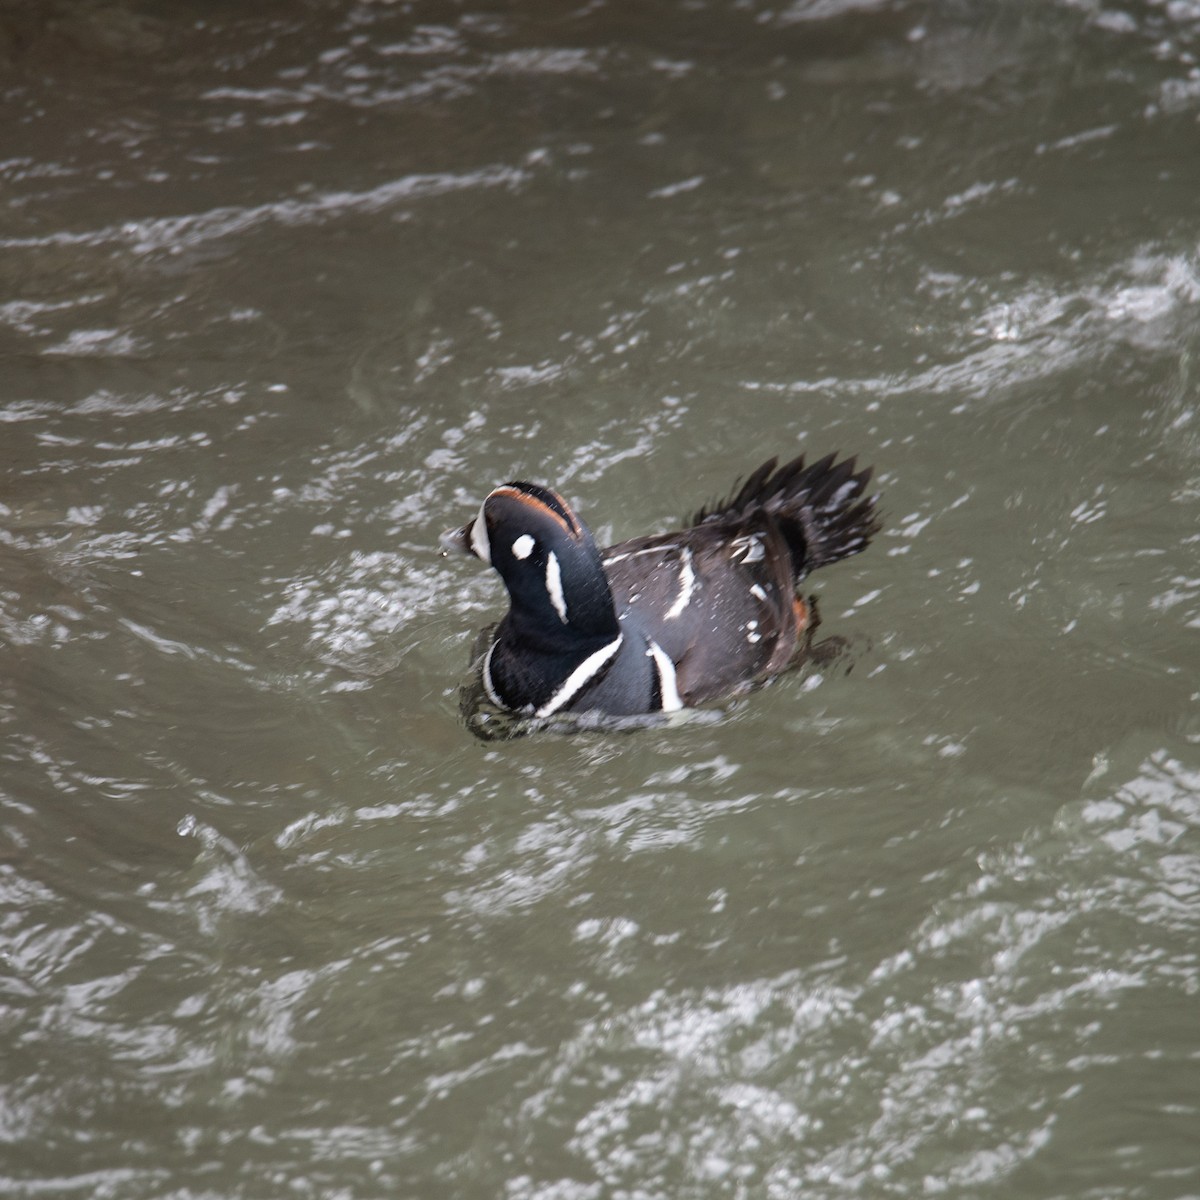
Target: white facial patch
{"type": "Point", "coordinates": [479, 536]}
{"type": "Point", "coordinates": [523, 546]}
{"type": "Point", "coordinates": [554, 587]}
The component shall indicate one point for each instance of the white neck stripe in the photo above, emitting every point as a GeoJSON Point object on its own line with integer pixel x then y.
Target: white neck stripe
{"type": "Point", "coordinates": [554, 586]}
{"type": "Point", "coordinates": [580, 677]}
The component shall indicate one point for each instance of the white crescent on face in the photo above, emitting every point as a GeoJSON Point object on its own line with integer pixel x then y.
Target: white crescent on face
{"type": "Point", "coordinates": [479, 536]}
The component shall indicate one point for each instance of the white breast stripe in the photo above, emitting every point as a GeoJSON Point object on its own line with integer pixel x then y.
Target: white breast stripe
{"type": "Point", "coordinates": [581, 676]}
{"type": "Point", "coordinates": [554, 586]}
{"type": "Point", "coordinates": [667, 687]}
{"type": "Point", "coordinates": [479, 537]}
{"type": "Point", "coordinates": [488, 686]}
{"type": "Point", "coordinates": [687, 585]}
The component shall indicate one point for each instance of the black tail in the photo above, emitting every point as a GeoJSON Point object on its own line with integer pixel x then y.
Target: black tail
{"type": "Point", "coordinates": [820, 509]}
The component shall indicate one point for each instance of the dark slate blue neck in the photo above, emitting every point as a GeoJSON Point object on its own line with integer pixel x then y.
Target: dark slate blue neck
{"type": "Point", "coordinates": [535, 622]}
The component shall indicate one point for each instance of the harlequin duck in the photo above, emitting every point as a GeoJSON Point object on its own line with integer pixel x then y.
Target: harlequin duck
{"type": "Point", "coordinates": [656, 623]}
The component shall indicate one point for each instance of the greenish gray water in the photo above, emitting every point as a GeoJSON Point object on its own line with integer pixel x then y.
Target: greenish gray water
{"type": "Point", "coordinates": [284, 292]}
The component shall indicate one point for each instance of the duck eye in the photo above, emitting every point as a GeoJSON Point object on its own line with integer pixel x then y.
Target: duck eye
{"type": "Point", "coordinates": [523, 546]}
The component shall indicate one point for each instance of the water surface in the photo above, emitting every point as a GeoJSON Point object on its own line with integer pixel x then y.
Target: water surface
{"type": "Point", "coordinates": [283, 293]}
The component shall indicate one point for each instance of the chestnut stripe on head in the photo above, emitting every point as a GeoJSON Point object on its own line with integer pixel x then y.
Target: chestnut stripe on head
{"type": "Point", "coordinates": [544, 500]}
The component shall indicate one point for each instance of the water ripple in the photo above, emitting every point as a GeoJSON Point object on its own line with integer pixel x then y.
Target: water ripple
{"type": "Point", "coordinates": [1016, 978]}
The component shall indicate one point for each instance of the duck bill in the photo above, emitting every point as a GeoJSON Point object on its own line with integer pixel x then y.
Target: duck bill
{"type": "Point", "coordinates": [457, 541]}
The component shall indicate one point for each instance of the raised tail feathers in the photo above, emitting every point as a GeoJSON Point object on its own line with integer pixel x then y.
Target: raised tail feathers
{"type": "Point", "coordinates": [820, 509]}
